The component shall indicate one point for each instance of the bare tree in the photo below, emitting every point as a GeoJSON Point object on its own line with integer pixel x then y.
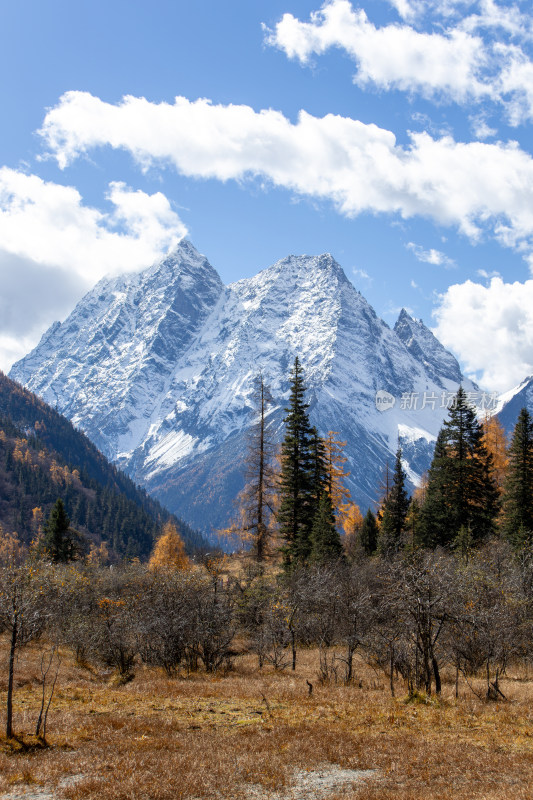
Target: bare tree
{"type": "Point", "coordinates": [256, 499]}
{"type": "Point", "coordinates": [22, 606]}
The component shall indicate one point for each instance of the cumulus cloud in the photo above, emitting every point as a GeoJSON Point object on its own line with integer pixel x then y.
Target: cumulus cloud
{"type": "Point", "coordinates": [391, 57]}
{"type": "Point", "coordinates": [452, 59]}
{"type": "Point", "coordinates": [475, 186]}
{"type": "Point", "coordinates": [66, 233]}
{"type": "Point", "coordinates": [490, 328]}
{"type": "Point", "coordinates": [431, 256]}
{"type": "Point", "coordinates": [53, 248]}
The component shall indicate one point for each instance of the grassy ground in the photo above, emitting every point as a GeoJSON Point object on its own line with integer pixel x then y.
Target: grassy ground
{"type": "Point", "coordinates": [213, 736]}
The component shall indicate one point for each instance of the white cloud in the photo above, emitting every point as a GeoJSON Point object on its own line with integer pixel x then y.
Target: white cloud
{"type": "Point", "coordinates": [391, 57]}
{"type": "Point", "coordinates": [461, 57]}
{"type": "Point", "coordinates": [53, 248]}
{"type": "Point", "coordinates": [475, 186]}
{"type": "Point", "coordinates": [490, 328]}
{"type": "Point", "coordinates": [68, 234]}
{"type": "Point", "coordinates": [363, 275]}
{"type": "Point", "coordinates": [481, 128]}
{"type": "Point", "coordinates": [431, 256]}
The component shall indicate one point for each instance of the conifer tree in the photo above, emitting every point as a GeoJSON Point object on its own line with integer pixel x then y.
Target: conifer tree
{"type": "Point", "coordinates": [461, 490]}
{"type": "Point", "coordinates": [395, 510]}
{"type": "Point", "coordinates": [319, 475]}
{"type": "Point", "coordinates": [169, 551]}
{"type": "Point", "coordinates": [369, 533]}
{"type": "Point", "coordinates": [295, 485]}
{"type": "Point", "coordinates": [335, 460]}
{"type": "Point", "coordinates": [352, 523]}
{"type": "Point", "coordinates": [517, 498]}
{"type": "Point", "coordinates": [496, 444]}
{"type": "Point", "coordinates": [59, 540]}
{"type": "Point", "coordinates": [256, 500]}
{"type": "Point", "coordinates": [325, 540]}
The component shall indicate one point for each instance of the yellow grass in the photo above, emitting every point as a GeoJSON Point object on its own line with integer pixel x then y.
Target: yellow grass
{"type": "Point", "coordinates": [213, 736]}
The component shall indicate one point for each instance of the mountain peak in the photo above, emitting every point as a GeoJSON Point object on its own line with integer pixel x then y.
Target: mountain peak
{"type": "Point", "coordinates": [318, 265]}
{"type": "Point", "coordinates": [158, 367]}
{"type": "Point", "coordinates": [404, 316]}
{"type": "Point", "coordinates": [427, 349]}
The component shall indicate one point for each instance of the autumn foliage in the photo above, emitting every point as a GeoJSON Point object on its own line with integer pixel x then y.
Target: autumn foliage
{"type": "Point", "coordinates": [169, 551]}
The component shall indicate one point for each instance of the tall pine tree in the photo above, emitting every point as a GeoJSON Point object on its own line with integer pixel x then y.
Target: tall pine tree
{"type": "Point", "coordinates": [517, 498]}
{"type": "Point", "coordinates": [369, 533]}
{"type": "Point", "coordinates": [325, 540]}
{"type": "Point", "coordinates": [296, 512]}
{"type": "Point", "coordinates": [461, 491]}
{"type": "Point", "coordinates": [59, 540]}
{"type": "Point", "coordinates": [395, 510]}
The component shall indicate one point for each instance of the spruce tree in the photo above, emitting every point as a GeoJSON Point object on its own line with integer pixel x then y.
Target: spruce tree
{"type": "Point", "coordinates": [59, 541]}
{"type": "Point", "coordinates": [394, 510]}
{"type": "Point", "coordinates": [461, 490]}
{"type": "Point", "coordinates": [295, 514]}
{"type": "Point", "coordinates": [517, 498]}
{"type": "Point", "coordinates": [369, 533]}
{"type": "Point", "coordinates": [318, 476]}
{"type": "Point", "coordinates": [325, 540]}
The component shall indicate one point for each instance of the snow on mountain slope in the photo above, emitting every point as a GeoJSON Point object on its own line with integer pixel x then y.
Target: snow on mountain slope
{"type": "Point", "coordinates": [427, 349]}
{"type": "Point", "coordinates": [108, 364]}
{"type": "Point", "coordinates": [512, 402]}
{"type": "Point", "coordinates": [157, 369]}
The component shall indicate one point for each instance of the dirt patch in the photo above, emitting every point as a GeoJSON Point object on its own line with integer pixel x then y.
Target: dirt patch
{"type": "Point", "coordinates": [315, 784]}
{"type": "Point", "coordinates": [40, 792]}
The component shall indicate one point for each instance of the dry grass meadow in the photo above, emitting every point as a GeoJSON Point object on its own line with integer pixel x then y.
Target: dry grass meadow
{"type": "Point", "coordinates": [244, 734]}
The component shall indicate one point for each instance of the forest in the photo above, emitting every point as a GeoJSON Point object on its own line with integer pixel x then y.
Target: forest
{"type": "Point", "coordinates": [43, 457]}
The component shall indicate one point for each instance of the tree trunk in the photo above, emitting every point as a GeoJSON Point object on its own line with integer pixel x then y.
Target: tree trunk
{"type": "Point", "coordinates": [12, 651]}
{"type": "Point", "coordinates": [260, 499]}
{"type": "Point", "coordinates": [436, 673]}
{"type": "Point", "coordinates": [392, 670]}
{"type": "Point", "coordinates": [293, 644]}
{"type": "Point", "coordinates": [349, 662]}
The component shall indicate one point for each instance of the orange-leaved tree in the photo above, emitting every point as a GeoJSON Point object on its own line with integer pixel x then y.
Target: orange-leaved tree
{"type": "Point", "coordinates": [169, 551]}
{"type": "Point", "coordinates": [335, 474]}
{"type": "Point", "coordinates": [352, 523]}
{"type": "Point", "coordinates": [496, 444]}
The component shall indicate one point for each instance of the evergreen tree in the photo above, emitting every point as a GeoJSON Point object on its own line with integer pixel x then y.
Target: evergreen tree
{"type": "Point", "coordinates": [319, 476]}
{"type": "Point", "coordinates": [394, 510]}
{"type": "Point", "coordinates": [517, 500]}
{"type": "Point", "coordinates": [296, 508]}
{"type": "Point", "coordinates": [59, 540]}
{"type": "Point", "coordinates": [325, 540]}
{"type": "Point", "coordinates": [461, 490]}
{"type": "Point", "coordinates": [369, 533]}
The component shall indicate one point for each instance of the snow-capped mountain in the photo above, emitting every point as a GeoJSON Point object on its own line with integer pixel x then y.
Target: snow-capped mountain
{"type": "Point", "coordinates": [438, 362]}
{"type": "Point", "coordinates": [158, 367]}
{"type": "Point", "coordinates": [512, 402]}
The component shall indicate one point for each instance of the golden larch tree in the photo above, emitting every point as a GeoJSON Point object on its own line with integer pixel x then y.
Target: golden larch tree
{"type": "Point", "coordinates": [496, 444]}
{"type": "Point", "coordinates": [352, 522]}
{"type": "Point", "coordinates": [169, 551]}
{"type": "Point", "coordinates": [335, 461]}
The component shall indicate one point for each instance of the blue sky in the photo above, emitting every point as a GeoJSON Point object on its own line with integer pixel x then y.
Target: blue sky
{"type": "Point", "coordinates": [395, 134]}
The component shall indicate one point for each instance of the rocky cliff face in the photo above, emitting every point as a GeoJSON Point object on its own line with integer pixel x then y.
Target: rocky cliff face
{"type": "Point", "coordinates": [157, 368]}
